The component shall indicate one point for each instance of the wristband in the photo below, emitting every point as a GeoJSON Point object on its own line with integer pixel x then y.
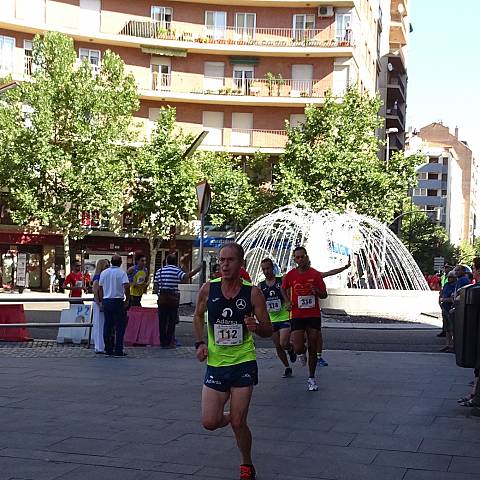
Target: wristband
{"type": "Point", "coordinates": [197, 344]}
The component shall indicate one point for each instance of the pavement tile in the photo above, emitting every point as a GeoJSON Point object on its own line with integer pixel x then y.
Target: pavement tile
{"type": "Point", "coordinates": [426, 475]}
{"type": "Point", "coordinates": [33, 469]}
{"type": "Point", "coordinates": [354, 471]}
{"type": "Point", "coordinates": [464, 465]}
{"type": "Point", "coordinates": [364, 427]}
{"type": "Point", "coordinates": [85, 446]}
{"type": "Point", "coordinates": [328, 453]}
{"type": "Point", "coordinates": [450, 447]}
{"type": "Point", "coordinates": [403, 418]}
{"type": "Point", "coordinates": [388, 442]}
{"type": "Point", "coordinates": [104, 473]}
{"type": "Point", "coordinates": [420, 461]}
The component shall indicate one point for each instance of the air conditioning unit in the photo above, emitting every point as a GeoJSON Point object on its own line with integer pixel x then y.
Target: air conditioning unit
{"type": "Point", "coordinates": [326, 11]}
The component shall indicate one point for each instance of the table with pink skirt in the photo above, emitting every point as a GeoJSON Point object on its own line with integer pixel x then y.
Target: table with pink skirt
{"type": "Point", "coordinates": [142, 328]}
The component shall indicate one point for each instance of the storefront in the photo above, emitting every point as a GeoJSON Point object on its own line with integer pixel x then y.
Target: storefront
{"type": "Point", "coordinates": [39, 250]}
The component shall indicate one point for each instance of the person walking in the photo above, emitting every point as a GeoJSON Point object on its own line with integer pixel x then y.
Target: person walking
{"type": "Point", "coordinates": [138, 277]}
{"type": "Point", "coordinates": [98, 315]}
{"type": "Point", "coordinates": [271, 288]}
{"type": "Point", "coordinates": [235, 310]}
{"type": "Point", "coordinates": [303, 287]}
{"type": "Point", "coordinates": [52, 277]}
{"type": "Point", "coordinates": [166, 285]}
{"type": "Point", "coordinates": [115, 297]}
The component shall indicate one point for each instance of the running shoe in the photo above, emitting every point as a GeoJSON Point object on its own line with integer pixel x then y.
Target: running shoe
{"type": "Point", "coordinates": [247, 472]}
{"type": "Point", "coordinates": [321, 362]}
{"type": "Point", "coordinates": [288, 372]}
{"type": "Point", "coordinates": [312, 385]}
{"type": "Point", "coordinates": [292, 355]}
{"type": "Point", "coordinates": [303, 359]}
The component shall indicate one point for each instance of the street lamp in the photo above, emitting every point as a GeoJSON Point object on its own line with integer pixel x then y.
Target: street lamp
{"type": "Point", "coordinates": [387, 133]}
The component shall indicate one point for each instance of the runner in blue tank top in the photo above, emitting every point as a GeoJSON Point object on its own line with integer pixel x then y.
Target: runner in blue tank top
{"type": "Point", "coordinates": [236, 309]}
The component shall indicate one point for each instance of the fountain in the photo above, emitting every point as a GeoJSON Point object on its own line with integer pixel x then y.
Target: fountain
{"type": "Point", "coordinates": [381, 266]}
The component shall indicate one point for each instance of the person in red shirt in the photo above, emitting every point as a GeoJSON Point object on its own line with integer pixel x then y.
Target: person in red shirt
{"type": "Point", "coordinates": [75, 281]}
{"type": "Point", "coordinates": [303, 287]}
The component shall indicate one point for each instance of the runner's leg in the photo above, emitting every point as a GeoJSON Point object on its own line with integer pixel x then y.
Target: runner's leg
{"type": "Point", "coordinates": [239, 403]}
{"type": "Point", "coordinates": [313, 342]}
{"type": "Point", "coordinates": [298, 341]}
{"type": "Point", "coordinates": [213, 403]}
{"type": "Point", "coordinates": [280, 350]}
{"type": "Point", "coordinates": [285, 339]}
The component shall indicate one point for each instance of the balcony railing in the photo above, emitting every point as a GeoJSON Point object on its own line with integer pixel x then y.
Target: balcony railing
{"type": "Point", "coordinates": [28, 65]}
{"type": "Point", "coordinates": [255, 87]}
{"type": "Point", "coordinates": [274, 37]}
{"type": "Point", "coordinates": [237, 137]}
{"type": "Point", "coordinates": [396, 112]}
{"type": "Point", "coordinates": [394, 80]}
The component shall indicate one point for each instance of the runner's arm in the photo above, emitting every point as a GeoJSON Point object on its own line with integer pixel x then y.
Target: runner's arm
{"type": "Point", "coordinates": [264, 326]}
{"type": "Point", "coordinates": [335, 271]}
{"type": "Point", "coordinates": [199, 321]}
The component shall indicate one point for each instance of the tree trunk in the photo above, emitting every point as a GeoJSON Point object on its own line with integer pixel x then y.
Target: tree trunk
{"type": "Point", "coordinates": [153, 255]}
{"type": "Point", "coordinates": [66, 251]}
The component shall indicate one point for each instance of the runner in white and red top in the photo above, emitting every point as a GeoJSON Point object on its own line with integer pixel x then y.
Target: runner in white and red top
{"type": "Point", "coordinates": [304, 287]}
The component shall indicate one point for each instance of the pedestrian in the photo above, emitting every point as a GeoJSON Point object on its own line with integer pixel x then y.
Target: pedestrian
{"type": "Point", "coordinates": [166, 286]}
{"type": "Point", "coordinates": [52, 277]}
{"type": "Point", "coordinates": [98, 315]}
{"type": "Point", "coordinates": [271, 288]}
{"type": "Point", "coordinates": [235, 310]}
{"type": "Point", "coordinates": [115, 298]}
{"type": "Point", "coordinates": [138, 278]}
{"type": "Point", "coordinates": [446, 304]}
{"type": "Point", "coordinates": [75, 281]}
{"type": "Point", "coordinates": [87, 278]}
{"type": "Point", "coordinates": [446, 270]}
{"type": "Point", "coordinates": [303, 286]}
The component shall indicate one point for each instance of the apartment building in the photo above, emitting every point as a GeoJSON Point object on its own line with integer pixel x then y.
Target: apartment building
{"type": "Point", "coordinates": [237, 69]}
{"type": "Point", "coordinates": [447, 182]}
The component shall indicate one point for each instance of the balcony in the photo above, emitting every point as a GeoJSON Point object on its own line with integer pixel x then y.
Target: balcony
{"type": "Point", "coordinates": [395, 118]}
{"type": "Point", "coordinates": [237, 140]}
{"type": "Point", "coordinates": [201, 37]}
{"type": "Point", "coordinates": [398, 29]}
{"type": "Point", "coordinates": [249, 91]}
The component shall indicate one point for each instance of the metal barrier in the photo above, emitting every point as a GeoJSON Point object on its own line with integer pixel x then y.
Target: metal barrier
{"type": "Point", "coordinates": [70, 300]}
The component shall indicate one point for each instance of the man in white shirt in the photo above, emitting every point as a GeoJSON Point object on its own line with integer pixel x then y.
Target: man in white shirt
{"type": "Point", "coordinates": [114, 297]}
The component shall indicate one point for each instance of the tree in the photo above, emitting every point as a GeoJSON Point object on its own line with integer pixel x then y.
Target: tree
{"type": "Point", "coordinates": [63, 139]}
{"type": "Point", "coordinates": [232, 190]}
{"type": "Point", "coordinates": [331, 161]}
{"type": "Point", "coordinates": [163, 193]}
{"type": "Point", "coordinates": [425, 239]}
{"type": "Point", "coordinates": [466, 253]}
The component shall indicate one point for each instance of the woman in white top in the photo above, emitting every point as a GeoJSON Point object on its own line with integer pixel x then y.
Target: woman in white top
{"type": "Point", "coordinates": [98, 317]}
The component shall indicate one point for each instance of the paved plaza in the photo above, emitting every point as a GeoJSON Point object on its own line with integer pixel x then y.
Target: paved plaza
{"type": "Point", "coordinates": [67, 414]}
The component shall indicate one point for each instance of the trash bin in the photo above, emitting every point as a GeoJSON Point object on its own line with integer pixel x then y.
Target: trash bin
{"type": "Point", "coordinates": [466, 327]}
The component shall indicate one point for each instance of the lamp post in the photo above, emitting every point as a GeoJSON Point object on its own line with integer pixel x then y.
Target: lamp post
{"type": "Point", "coordinates": [387, 133]}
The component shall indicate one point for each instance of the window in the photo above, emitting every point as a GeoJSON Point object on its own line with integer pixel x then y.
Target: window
{"type": "Point", "coordinates": [213, 123]}
{"type": "Point", "coordinates": [242, 77]}
{"type": "Point", "coordinates": [419, 192]}
{"type": "Point", "coordinates": [445, 160]}
{"type": "Point", "coordinates": [245, 24]}
{"type": "Point", "coordinates": [421, 175]}
{"type": "Point", "coordinates": [28, 57]}
{"type": "Point", "coordinates": [216, 24]}
{"type": "Point", "coordinates": [161, 78]}
{"type": "Point", "coordinates": [162, 16]}
{"type": "Point", "coordinates": [433, 160]}
{"type": "Point", "coordinates": [92, 57]}
{"type": "Point", "coordinates": [444, 193]}
{"type": "Point", "coordinates": [432, 193]}
{"type": "Point", "coordinates": [301, 24]}
{"type": "Point", "coordinates": [432, 176]}
{"type": "Point", "coordinates": [7, 45]}
{"type": "Point", "coordinates": [444, 177]}
{"type": "Point", "coordinates": [343, 22]}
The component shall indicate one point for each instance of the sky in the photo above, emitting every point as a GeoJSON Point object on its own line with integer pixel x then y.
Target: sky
{"type": "Point", "coordinates": [444, 67]}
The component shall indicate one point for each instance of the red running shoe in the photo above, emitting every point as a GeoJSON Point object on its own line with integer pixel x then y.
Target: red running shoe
{"type": "Point", "coordinates": [247, 472]}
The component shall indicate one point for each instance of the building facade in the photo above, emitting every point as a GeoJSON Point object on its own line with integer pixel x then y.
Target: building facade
{"type": "Point", "coordinates": [237, 69]}
{"type": "Point", "coordinates": [447, 182]}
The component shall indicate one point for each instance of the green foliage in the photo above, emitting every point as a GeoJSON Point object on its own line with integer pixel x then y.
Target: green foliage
{"type": "Point", "coordinates": [331, 161]}
{"type": "Point", "coordinates": [466, 253]}
{"type": "Point", "coordinates": [163, 194]}
{"type": "Point", "coordinates": [232, 190]}
{"type": "Point", "coordinates": [425, 239]}
{"type": "Point", "coordinates": [63, 136]}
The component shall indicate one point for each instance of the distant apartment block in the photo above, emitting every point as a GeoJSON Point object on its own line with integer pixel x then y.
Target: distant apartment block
{"type": "Point", "coordinates": [447, 182]}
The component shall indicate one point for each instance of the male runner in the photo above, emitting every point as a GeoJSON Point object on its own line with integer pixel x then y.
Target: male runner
{"type": "Point", "coordinates": [235, 309]}
{"type": "Point", "coordinates": [303, 287]}
{"type": "Point", "coordinates": [271, 288]}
